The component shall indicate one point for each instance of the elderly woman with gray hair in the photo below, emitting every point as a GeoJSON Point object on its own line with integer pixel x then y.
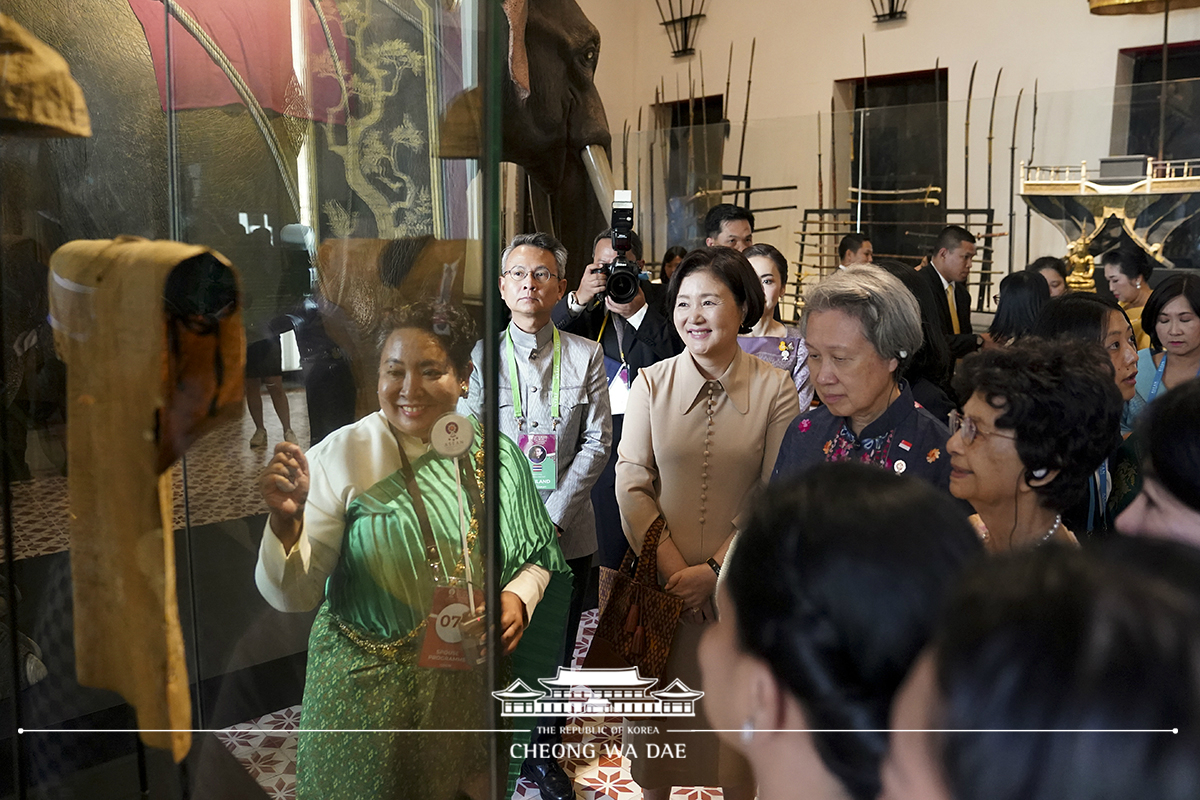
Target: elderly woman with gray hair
{"type": "Point", "coordinates": [862, 327]}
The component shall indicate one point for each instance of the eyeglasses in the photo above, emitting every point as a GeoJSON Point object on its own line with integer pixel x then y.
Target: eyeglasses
{"type": "Point", "coordinates": [518, 274]}
{"type": "Point", "coordinates": [961, 422]}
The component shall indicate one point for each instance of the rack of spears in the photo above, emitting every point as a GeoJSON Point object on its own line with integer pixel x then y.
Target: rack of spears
{"type": "Point", "coordinates": [683, 156]}
{"type": "Point", "coordinates": [822, 228]}
{"type": "Point", "coordinates": [681, 27]}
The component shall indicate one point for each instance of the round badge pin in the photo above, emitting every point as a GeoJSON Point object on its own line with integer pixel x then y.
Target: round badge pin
{"type": "Point", "coordinates": [900, 466]}
{"type": "Point", "coordinates": [452, 435]}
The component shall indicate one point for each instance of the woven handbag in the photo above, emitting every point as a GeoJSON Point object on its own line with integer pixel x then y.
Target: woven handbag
{"type": "Point", "coordinates": [637, 619]}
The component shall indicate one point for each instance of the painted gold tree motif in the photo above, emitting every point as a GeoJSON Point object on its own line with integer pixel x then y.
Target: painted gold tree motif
{"type": "Point", "coordinates": [370, 152]}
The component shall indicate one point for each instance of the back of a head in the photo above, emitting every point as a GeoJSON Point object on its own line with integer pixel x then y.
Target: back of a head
{"type": "Point", "coordinates": [1170, 437]}
{"type": "Point", "coordinates": [1075, 316]}
{"type": "Point", "coordinates": [1045, 654]}
{"type": "Point", "coordinates": [721, 213]}
{"type": "Point", "coordinates": [1022, 296]}
{"type": "Point", "coordinates": [797, 581]}
{"type": "Point", "coordinates": [1050, 262]}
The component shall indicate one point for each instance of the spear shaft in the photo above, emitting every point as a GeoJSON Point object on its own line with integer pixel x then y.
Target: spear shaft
{"type": "Point", "coordinates": [625, 155]}
{"type": "Point", "coordinates": [820, 170]}
{"type": "Point", "coordinates": [691, 139]}
{"type": "Point", "coordinates": [991, 135]}
{"type": "Point", "coordinates": [746, 114]}
{"type": "Point", "coordinates": [1012, 182]}
{"type": "Point", "coordinates": [650, 146]}
{"type": "Point", "coordinates": [985, 280]}
{"type": "Point", "coordinates": [833, 193]}
{"type": "Point", "coordinates": [728, 78]}
{"type": "Point", "coordinates": [1032, 145]}
{"type": "Point", "coordinates": [703, 115]}
{"type": "Point", "coordinates": [967, 149]}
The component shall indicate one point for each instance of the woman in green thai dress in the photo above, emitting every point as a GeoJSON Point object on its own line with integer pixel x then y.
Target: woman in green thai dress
{"type": "Point", "coordinates": [349, 530]}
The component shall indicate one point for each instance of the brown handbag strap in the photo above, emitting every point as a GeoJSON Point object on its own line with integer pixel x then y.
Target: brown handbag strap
{"type": "Point", "coordinates": [647, 563]}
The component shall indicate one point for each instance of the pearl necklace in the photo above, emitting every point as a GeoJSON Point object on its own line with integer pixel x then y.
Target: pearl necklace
{"type": "Point", "coordinates": [985, 536]}
{"type": "Point", "coordinates": [1053, 529]}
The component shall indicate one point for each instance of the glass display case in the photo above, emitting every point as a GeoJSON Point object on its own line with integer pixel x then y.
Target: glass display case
{"type": "Point", "coordinates": [342, 157]}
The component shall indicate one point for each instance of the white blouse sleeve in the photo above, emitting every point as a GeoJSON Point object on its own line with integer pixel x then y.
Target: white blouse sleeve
{"type": "Point", "coordinates": [295, 581]}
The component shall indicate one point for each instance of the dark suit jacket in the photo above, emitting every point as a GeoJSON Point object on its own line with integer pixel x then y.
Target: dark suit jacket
{"type": "Point", "coordinates": [965, 342]}
{"type": "Point", "coordinates": [654, 340]}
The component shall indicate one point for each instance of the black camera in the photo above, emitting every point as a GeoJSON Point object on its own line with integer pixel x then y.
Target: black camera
{"type": "Point", "coordinates": [623, 274]}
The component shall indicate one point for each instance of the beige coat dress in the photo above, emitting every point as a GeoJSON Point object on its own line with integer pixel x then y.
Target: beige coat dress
{"type": "Point", "coordinates": [694, 451]}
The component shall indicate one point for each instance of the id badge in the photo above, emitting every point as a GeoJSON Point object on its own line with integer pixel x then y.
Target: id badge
{"type": "Point", "coordinates": [540, 454]}
{"type": "Point", "coordinates": [442, 647]}
{"type": "Point", "coordinates": [618, 390]}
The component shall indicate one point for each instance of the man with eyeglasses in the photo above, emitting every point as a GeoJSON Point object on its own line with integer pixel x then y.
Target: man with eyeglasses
{"type": "Point", "coordinates": [633, 335]}
{"type": "Point", "coordinates": [554, 405]}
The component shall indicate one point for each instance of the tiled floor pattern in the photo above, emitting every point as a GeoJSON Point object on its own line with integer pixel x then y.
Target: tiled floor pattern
{"type": "Point", "coordinates": [222, 472]}
{"type": "Point", "coordinates": [267, 748]}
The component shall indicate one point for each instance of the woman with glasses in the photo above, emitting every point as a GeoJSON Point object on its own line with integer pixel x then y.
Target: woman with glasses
{"type": "Point", "coordinates": [1039, 418]}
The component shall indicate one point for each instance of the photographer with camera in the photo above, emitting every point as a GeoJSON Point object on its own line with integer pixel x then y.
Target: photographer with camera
{"type": "Point", "coordinates": [633, 335]}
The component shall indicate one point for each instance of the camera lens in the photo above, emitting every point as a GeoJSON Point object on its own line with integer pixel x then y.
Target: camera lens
{"type": "Point", "coordinates": [622, 285]}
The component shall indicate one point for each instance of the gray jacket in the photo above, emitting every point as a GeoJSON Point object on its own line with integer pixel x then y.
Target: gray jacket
{"type": "Point", "coordinates": [584, 429]}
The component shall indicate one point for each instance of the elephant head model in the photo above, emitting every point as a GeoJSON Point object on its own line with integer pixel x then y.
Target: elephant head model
{"type": "Point", "coordinates": [554, 121]}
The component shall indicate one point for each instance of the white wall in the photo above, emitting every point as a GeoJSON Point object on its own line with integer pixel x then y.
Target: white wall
{"type": "Point", "coordinates": [804, 46]}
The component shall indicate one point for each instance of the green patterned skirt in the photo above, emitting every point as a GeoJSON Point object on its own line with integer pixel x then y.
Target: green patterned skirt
{"type": "Point", "coordinates": [348, 688]}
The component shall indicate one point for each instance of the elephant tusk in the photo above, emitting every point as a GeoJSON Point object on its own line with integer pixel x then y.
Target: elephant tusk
{"type": "Point", "coordinates": [595, 160]}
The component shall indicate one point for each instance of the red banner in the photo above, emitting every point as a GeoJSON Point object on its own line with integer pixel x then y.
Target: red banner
{"type": "Point", "coordinates": [255, 36]}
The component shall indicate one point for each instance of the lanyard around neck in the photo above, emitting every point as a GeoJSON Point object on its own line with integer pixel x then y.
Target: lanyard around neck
{"type": "Point", "coordinates": [514, 379]}
{"type": "Point", "coordinates": [1158, 378]}
{"type": "Point", "coordinates": [463, 476]}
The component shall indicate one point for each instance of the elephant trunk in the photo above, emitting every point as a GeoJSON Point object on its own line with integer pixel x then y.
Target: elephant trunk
{"type": "Point", "coordinates": [595, 160]}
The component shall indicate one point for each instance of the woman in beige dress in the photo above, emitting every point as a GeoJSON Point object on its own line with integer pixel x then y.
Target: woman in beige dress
{"type": "Point", "coordinates": [702, 431]}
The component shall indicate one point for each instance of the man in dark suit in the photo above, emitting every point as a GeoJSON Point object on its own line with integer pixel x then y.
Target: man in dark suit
{"type": "Point", "coordinates": [633, 335]}
{"type": "Point", "coordinates": [947, 275]}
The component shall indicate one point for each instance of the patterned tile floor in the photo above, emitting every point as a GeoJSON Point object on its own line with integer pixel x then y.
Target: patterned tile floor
{"type": "Point", "coordinates": [267, 748]}
{"type": "Point", "coordinates": [222, 472]}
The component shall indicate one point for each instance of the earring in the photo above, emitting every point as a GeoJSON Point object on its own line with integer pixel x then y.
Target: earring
{"type": "Point", "coordinates": [747, 731]}
{"type": "Point", "coordinates": [463, 390]}
{"type": "Point", "coordinates": [1040, 473]}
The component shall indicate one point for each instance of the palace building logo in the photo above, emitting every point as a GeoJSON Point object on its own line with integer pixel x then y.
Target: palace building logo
{"type": "Point", "coordinates": [589, 692]}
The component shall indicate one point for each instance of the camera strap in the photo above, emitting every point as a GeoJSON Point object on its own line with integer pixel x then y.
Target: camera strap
{"type": "Point", "coordinates": [618, 329]}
